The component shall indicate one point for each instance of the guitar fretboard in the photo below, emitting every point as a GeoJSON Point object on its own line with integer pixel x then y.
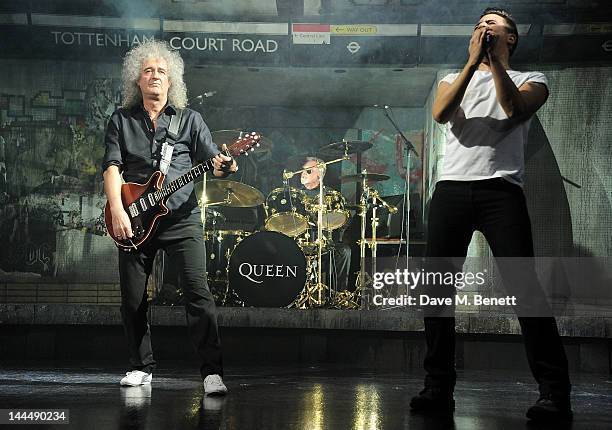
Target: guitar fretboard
{"type": "Point", "coordinates": [184, 179]}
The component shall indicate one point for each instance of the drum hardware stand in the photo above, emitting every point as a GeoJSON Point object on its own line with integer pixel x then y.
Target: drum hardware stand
{"type": "Point", "coordinates": [313, 292]}
{"type": "Point", "coordinates": [392, 209]}
{"type": "Point", "coordinates": [319, 287]}
{"type": "Point", "coordinates": [203, 206]}
{"type": "Point", "coordinates": [345, 300]}
{"type": "Point", "coordinates": [363, 278]}
{"type": "Point", "coordinates": [202, 203]}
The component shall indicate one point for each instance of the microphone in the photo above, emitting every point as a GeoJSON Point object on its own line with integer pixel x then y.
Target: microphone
{"type": "Point", "coordinates": [287, 175]}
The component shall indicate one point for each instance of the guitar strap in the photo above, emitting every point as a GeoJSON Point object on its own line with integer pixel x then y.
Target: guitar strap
{"type": "Point", "coordinates": [167, 147]}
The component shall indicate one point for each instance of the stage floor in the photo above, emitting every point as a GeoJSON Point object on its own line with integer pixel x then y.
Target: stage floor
{"type": "Point", "coordinates": [282, 397]}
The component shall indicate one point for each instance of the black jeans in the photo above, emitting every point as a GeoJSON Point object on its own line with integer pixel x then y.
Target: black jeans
{"type": "Point", "coordinates": [497, 208]}
{"type": "Point", "coordinates": [182, 240]}
{"type": "Point", "coordinates": [341, 261]}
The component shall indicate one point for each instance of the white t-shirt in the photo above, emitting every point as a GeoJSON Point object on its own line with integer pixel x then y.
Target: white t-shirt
{"type": "Point", "coordinates": [481, 143]}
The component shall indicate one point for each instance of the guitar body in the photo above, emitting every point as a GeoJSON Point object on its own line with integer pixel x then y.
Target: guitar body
{"type": "Point", "coordinates": [145, 221]}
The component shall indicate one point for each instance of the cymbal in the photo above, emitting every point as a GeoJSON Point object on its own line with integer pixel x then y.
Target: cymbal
{"type": "Point", "coordinates": [228, 137]}
{"type": "Point", "coordinates": [370, 177]}
{"type": "Point", "coordinates": [230, 193]}
{"type": "Point", "coordinates": [336, 149]}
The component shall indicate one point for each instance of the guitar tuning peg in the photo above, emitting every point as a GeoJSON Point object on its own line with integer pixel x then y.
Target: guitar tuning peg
{"type": "Point", "coordinates": [257, 144]}
{"type": "Point", "coordinates": [246, 153]}
{"type": "Point", "coordinates": [252, 149]}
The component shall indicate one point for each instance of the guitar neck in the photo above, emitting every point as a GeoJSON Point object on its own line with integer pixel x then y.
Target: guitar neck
{"type": "Point", "coordinates": [186, 178]}
{"type": "Point", "coordinates": [240, 146]}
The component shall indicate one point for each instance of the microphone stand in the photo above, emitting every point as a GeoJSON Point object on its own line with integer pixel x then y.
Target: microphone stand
{"type": "Point", "coordinates": [410, 149]}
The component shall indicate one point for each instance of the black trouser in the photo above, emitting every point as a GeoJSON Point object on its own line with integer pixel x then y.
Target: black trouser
{"type": "Point", "coordinates": [498, 209]}
{"type": "Point", "coordinates": [341, 261]}
{"type": "Point", "coordinates": [183, 242]}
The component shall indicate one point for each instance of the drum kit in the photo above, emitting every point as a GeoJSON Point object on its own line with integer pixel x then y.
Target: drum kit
{"type": "Point", "coordinates": [281, 264]}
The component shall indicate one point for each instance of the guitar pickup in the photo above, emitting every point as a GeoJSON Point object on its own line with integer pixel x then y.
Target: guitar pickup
{"type": "Point", "coordinates": [133, 210]}
{"type": "Point", "coordinates": [143, 204]}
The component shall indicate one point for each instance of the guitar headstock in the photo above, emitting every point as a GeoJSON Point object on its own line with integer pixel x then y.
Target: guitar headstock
{"type": "Point", "coordinates": [242, 145]}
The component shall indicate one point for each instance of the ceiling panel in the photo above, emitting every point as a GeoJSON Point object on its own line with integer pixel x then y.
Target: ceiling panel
{"type": "Point", "coordinates": [407, 87]}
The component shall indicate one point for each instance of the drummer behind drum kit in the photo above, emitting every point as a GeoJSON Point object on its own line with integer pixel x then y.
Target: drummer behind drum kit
{"type": "Point", "coordinates": [281, 266]}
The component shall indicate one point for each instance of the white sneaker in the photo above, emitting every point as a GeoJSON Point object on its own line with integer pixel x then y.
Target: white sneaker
{"type": "Point", "coordinates": [213, 384]}
{"type": "Point", "coordinates": [136, 377]}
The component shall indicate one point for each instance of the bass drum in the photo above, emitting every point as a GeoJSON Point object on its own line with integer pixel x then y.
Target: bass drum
{"type": "Point", "coordinates": [267, 269]}
{"type": "Point", "coordinates": [219, 247]}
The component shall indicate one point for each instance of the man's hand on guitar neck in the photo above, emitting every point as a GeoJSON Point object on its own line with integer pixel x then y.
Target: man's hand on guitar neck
{"type": "Point", "coordinates": [122, 227]}
{"type": "Point", "coordinates": [223, 164]}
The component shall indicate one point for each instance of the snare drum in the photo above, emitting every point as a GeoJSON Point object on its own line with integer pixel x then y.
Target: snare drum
{"type": "Point", "coordinates": [334, 214]}
{"type": "Point", "coordinates": [219, 247]}
{"type": "Point", "coordinates": [286, 212]}
{"type": "Point", "coordinates": [267, 269]}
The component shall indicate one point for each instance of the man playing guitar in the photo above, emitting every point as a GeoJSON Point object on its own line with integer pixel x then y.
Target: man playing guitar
{"type": "Point", "coordinates": [136, 146]}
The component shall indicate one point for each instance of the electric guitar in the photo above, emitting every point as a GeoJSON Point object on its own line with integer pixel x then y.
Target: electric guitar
{"type": "Point", "coordinates": [145, 203]}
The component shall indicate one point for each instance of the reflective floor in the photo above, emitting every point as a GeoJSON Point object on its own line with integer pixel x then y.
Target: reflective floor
{"type": "Point", "coordinates": [327, 397]}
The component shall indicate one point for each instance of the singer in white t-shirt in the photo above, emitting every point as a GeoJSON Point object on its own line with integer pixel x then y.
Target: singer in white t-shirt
{"type": "Point", "coordinates": [487, 108]}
